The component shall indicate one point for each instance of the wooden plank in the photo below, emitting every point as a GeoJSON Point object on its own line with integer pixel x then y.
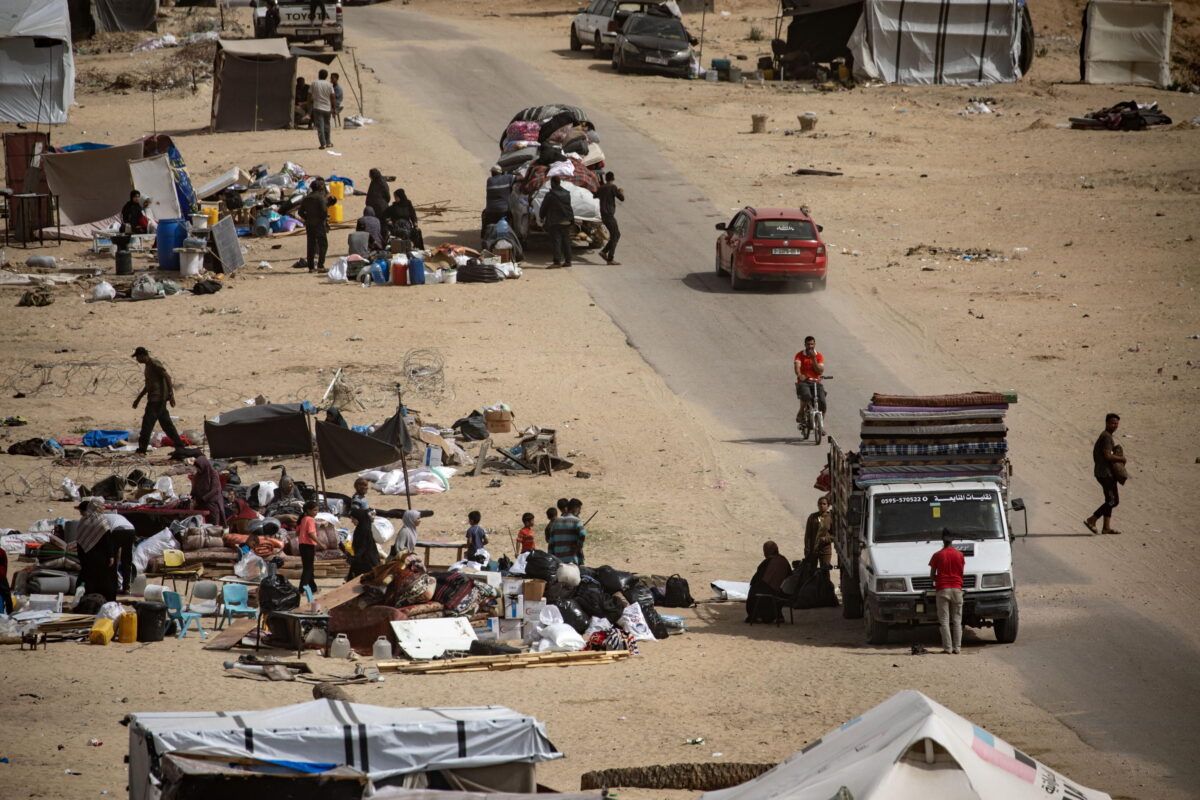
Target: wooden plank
{"type": "Point", "coordinates": [483, 449]}
{"type": "Point", "coordinates": [231, 635]}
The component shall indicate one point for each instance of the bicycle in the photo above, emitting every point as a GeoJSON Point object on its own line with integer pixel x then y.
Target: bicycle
{"type": "Point", "coordinates": [810, 420]}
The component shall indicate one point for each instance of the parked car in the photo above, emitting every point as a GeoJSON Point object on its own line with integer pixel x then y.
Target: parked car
{"type": "Point", "coordinates": [301, 21]}
{"type": "Point", "coordinates": [598, 24]}
{"type": "Point", "coordinates": [653, 43]}
{"type": "Point", "coordinates": [771, 244]}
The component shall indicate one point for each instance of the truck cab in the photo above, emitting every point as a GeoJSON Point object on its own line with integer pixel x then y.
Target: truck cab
{"type": "Point", "coordinates": [902, 528]}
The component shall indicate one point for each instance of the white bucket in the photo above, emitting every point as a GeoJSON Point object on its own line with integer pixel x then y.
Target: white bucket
{"type": "Point", "coordinates": [191, 262]}
{"type": "Point", "coordinates": [199, 222]}
{"type": "Point", "coordinates": [449, 276]}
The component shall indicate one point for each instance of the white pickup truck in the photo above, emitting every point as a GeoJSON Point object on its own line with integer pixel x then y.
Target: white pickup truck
{"type": "Point", "coordinates": [301, 22]}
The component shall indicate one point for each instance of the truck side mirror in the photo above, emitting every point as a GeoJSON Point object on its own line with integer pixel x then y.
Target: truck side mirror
{"type": "Point", "coordinates": [1018, 504]}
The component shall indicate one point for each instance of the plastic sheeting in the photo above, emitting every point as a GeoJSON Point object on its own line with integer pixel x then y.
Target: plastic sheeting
{"type": "Point", "coordinates": [37, 77]}
{"type": "Point", "coordinates": [279, 429]}
{"type": "Point", "coordinates": [154, 179]}
{"type": "Point", "coordinates": [1125, 42]}
{"type": "Point", "coordinates": [125, 15]}
{"type": "Point", "coordinates": [934, 42]}
{"type": "Point", "coordinates": [378, 741]}
{"type": "Point", "coordinates": [91, 184]}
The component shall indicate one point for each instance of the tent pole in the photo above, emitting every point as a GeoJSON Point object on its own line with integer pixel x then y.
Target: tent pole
{"type": "Point", "coordinates": [351, 85]}
{"type": "Point", "coordinates": [41, 98]}
{"type": "Point", "coordinates": [703, 19]}
{"type": "Point", "coordinates": [403, 457]}
{"type": "Point", "coordinates": [312, 451]}
{"type": "Point", "coordinates": [358, 79]}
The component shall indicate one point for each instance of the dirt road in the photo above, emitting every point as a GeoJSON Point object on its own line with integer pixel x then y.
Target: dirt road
{"type": "Point", "coordinates": [730, 354]}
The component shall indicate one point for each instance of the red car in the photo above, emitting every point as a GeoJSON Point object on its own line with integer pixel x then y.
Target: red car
{"type": "Point", "coordinates": [771, 244]}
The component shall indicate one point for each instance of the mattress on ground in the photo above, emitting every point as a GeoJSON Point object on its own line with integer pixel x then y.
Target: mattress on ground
{"type": "Point", "coordinates": [945, 400]}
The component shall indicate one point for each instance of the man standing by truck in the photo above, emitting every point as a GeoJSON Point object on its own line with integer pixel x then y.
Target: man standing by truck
{"type": "Point", "coordinates": [946, 568]}
{"type": "Point", "coordinates": [1105, 456]}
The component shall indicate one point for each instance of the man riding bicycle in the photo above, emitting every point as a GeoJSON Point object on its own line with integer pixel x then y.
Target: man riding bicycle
{"type": "Point", "coordinates": [810, 366]}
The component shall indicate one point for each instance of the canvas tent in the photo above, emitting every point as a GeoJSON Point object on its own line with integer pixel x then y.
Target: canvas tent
{"type": "Point", "coordinates": [484, 747]}
{"type": "Point", "coordinates": [254, 85]}
{"type": "Point", "coordinates": [37, 66]}
{"type": "Point", "coordinates": [909, 748]}
{"type": "Point", "coordinates": [1126, 42]}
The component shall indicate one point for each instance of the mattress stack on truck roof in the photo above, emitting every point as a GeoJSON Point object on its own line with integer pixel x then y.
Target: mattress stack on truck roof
{"type": "Point", "coordinates": [934, 438]}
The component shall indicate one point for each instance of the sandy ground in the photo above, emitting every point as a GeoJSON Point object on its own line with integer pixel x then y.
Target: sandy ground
{"type": "Point", "coordinates": [1002, 182]}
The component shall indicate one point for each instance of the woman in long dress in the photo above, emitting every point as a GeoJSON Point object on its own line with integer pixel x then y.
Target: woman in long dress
{"type": "Point", "coordinates": [97, 551]}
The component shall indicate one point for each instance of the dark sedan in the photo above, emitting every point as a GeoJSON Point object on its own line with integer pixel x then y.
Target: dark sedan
{"type": "Point", "coordinates": [652, 42]}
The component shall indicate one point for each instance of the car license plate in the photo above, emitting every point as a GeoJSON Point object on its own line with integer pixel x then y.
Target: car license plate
{"type": "Point", "coordinates": [786, 251]}
{"type": "Point", "coordinates": [308, 32]}
{"type": "Point", "coordinates": [920, 608]}
{"type": "Point", "coordinates": [656, 60]}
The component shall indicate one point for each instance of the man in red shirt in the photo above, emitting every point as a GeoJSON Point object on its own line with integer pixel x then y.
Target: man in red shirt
{"type": "Point", "coordinates": [946, 569]}
{"type": "Point", "coordinates": [810, 366]}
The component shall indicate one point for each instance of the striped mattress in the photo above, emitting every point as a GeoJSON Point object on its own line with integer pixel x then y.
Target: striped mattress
{"type": "Point", "coordinates": [945, 400]}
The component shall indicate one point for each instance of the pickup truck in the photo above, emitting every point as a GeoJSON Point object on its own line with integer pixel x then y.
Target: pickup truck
{"type": "Point", "coordinates": [889, 517]}
{"type": "Point", "coordinates": [298, 24]}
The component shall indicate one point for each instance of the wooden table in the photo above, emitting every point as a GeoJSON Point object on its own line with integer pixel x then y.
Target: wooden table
{"type": "Point", "coordinates": [459, 548]}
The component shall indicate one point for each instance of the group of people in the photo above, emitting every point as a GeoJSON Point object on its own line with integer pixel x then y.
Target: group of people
{"type": "Point", "coordinates": [769, 579]}
{"type": "Point", "coordinates": [557, 217]}
{"type": "Point", "coordinates": [389, 214]}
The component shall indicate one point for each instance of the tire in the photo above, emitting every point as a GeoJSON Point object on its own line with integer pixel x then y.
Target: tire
{"type": "Point", "coordinates": [803, 425]}
{"type": "Point", "coordinates": [818, 430]}
{"type": "Point", "coordinates": [852, 599]}
{"type": "Point", "coordinates": [598, 45]}
{"type": "Point", "coordinates": [336, 43]}
{"type": "Point", "coordinates": [1006, 629]}
{"type": "Point", "coordinates": [621, 68]}
{"type": "Point", "coordinates": [576, 45]}
{"type": "Point", "coordinates": [735, 283]}
{"type": "Point", "coordinates": [820, 285]}
{"type": "Point", "coordinates": [877, 632]}
{"type": "Point", "coordinates": [720, 270]}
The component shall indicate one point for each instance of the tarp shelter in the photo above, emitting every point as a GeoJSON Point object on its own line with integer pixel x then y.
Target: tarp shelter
{"type": "Point", "coordinates": [910, 748]}
{"type": "Point", "coordinates": [275, 429]}
{"type": "Point", "coordinates": [37, 65]}
{"type": "Point", "coordinates": [91, 184]}
{"type": "Point", "coordinates": [125, 15]}
{"type": "Point", "coordinates": [343, 451]}
{"type": "Point", "coordinates": [1125, 42]}
{"type": "Point", "coordinates": [254, 85]}
{"type": "Point", "coordinates": [932, 41]}
{"type": "Point", "coordinates": [484, 747]}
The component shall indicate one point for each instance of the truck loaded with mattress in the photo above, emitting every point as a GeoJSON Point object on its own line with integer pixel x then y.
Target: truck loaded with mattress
{"type": "Point", "coordinates": [925, 465]}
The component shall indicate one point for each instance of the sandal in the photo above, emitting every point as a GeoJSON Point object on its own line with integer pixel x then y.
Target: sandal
{"type": "Point", "coordinates": [1091, 526]}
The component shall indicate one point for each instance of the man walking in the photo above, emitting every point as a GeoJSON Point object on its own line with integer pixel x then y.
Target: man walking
{"type": "Point", "coordinates": [314, 210]}
{"type": "Point", "coordinates": [609, 194]}
{"type": "Point", "coordinates": [1105, 456]}
{"type": "Point", "coordinates": [566, 535]}
{"type": "Point", "coordinates": [946, 569]}
{"type": "Point", "coordinates": [557, 217]}
{"type": "Point", "coordinates": [159, 391]}
{"type": "Point", "coordinates": [321, 96]}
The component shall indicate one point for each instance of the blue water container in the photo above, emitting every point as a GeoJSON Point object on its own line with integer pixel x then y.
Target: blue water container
{"type": "Point", "coordinates": [380, 270]}
{"type": "Point", "coordinates": [170, 234]}
{"type": "Point", "coordinates": [416, 271]}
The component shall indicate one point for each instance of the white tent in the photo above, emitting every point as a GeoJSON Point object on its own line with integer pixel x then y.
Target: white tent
{"type": "Point", "coordinates": [909, 748]}
{"type": "Point", "coordinates": [323, 734]}
{"type": "Point", "coordinates": [1125, 42]}
{"type": "Point", "coordinates": [933, 41]}
{"type": "Point", "coordinates": [37, 66]}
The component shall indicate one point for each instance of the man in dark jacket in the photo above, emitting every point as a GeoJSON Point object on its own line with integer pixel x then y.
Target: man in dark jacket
{"type": "Point", "coordinates": [499, 187]}
{"type": "Point", "coordinates": [314, 210]}
{"type": "Point", "coordinates": [557, 216]}
{"type": "Point", "coordinates": [609, 194]}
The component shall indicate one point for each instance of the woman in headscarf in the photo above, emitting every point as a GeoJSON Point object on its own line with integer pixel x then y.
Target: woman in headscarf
{"type": "Point", "coordinates": [97, 555]}
{"type": "Point", "coordinates": [378, 192]}
{"type": "Point", "coordinates": [767, 580]}
{"type": "Point", "coordinates": [406, 540]}
{"type": "Point", "coordinates": [206, 491]}
{"type": "Point", "coordinates": [366, 556]}
{"type": "Point", "coordinates": [401, 220]}
{"type": "Point", "coordinates": [369, 224]}
{"type": "Point", "coordinates": [238, 514]}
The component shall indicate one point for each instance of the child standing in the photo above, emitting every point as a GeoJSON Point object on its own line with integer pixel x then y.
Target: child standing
{"type": "Point", "coordinates": [476, 535]}
{"type": "Point", "coordinates": [551, 515]}
{"type": "Point", "coordinates": [525, 541]}
{"type": "Point", "coordinates": [307, 537]}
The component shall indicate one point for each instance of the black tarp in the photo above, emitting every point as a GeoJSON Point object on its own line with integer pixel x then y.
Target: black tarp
{"type": "Point", "coordinates": [278, 429]}
{"type": "Point", "coordinates": [819, 31]}
{"type": "Point", "coordinates": [394, 432]}
{"type": "Point", "coordinates": [125, 15]}
{"type": "Point", "coordinates": [342, 451]}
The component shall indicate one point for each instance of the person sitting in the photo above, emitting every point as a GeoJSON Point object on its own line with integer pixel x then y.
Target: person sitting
{"type": "Point", "coordinates": [767, 579]}
{"type": "Point", "coordinates": [401, 220]}
{"type": "Point", "coordinates": [287, 498]}
{"type": "Point", "coordinates": [133, 214]}
{"type": "Point", "coordinates": [300, 112]}
{"type": "Point", "coordinates": [369, 224]}
{"type": "Point", "coordinates": [239, 514]}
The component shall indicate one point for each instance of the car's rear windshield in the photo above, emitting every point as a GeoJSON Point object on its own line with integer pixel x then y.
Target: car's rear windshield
{"type": "Point", "coordinates": [784, 229]}
{"type": "Point", "coordinates": [659, 28]}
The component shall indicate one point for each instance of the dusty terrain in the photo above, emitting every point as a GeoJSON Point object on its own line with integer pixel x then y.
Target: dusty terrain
{"type": "Point", "coordinates": [671, 496]}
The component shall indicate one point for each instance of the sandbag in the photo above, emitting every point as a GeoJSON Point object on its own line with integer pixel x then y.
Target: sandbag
{"type": "Point", "coordinates": [542, 565]}
{"type": "Point", "coordinates": [574, 615]}
{"type": "Point", "coordinates": [615, 581]}
{"type": "Point", "coordinates": [641, 595]}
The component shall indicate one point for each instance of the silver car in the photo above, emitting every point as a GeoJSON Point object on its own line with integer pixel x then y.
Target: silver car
{"type": "Point", "coordinates": [598, 24]}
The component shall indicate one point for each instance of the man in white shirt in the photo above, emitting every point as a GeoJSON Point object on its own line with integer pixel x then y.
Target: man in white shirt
{"type": "Point", "coordinates": [321, 96]}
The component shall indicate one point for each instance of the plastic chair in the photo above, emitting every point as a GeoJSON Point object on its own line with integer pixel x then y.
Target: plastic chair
{"type": "Point", "coordinates": [182, 618]}
{"type": "Point", "coordinates": [235, 599]}
{"type": "Point", "coordinates": [204, 598]}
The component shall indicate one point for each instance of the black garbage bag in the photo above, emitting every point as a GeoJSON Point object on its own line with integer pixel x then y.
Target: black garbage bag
{"type": "Point", "coordinates": [599, 603]}
{"type": "Point", "coordinates": [817, 591]}
{"type": "Point", "coordinates": [557, 591]}
{"type": "Point", "coordinates": [574, 615]}
{"type": "Point", "coordinates": [542, 565]}
{"type": "Point", "coordinates": [642, 595]}
{"type": "Point", "coordinates": [276, 594]}
{"type": "Point", "coordinates": [615, 581]}
{"type": "Point", "coordinates": [472, 427]}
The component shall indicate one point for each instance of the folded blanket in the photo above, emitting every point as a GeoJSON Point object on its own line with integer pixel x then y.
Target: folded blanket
{"type": "Point", "coordinates": [935, 409]}
{"type": "Point", "coordinates": [933, 430]}
{"type": "Point", "coordinates": [945, 400]}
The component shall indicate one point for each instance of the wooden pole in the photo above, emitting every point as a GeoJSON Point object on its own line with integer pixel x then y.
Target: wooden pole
{"type": "Point", "coordinates": [312, 451]}
{"type": "Point", "coordinates": [358, 80]}
{"type": "Point", "coordinates": [403, 457]}
{"type": "Point", "coordinates": [703, 19]}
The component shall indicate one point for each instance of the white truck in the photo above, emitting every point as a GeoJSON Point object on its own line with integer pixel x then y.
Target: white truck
{"type": "Point", "coordinates": [886, 527]}
{"type": "Point", "coordinates": [301, 21]}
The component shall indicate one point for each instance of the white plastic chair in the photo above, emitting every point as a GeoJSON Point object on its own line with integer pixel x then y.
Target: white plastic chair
{"type": "Point", "coordinates": [204, 598]}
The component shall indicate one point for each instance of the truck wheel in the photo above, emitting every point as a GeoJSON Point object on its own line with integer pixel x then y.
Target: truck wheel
{"type": "Point", "coordinates": [575, 43]}
{"type": "Point", "coordinates": [852, 599]}
{"type": "Point", "coordinates": [336, 43]}
{"type": "Point", "coordinates": [1006, 629]}
{"type": "Point", "coordinates": [877, 632]}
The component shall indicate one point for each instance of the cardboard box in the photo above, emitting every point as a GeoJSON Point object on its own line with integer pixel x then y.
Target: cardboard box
{"type": "Point", "coordinates": [513, 586]}
{"type": "Point", "coordinates": [511, 629]}
{"type": "Point", "coordinates": [514, 606]}
{"type": "Point", "coordinates": [498, 421]}
{"type": "Point", "coordinates": [535, 589]}
{"type": "Point", "coordinates": [533, 610]}
{"type": "Point", "coordinates": [489, 632]}
{"type": "Point", "coordinates": [491, 578]}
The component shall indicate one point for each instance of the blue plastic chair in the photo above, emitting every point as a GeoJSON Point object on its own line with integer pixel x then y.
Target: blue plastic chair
{"type": "Point", "coordinates": [183, 619]}
{"type": "Point", "coordinates": [235, 600]}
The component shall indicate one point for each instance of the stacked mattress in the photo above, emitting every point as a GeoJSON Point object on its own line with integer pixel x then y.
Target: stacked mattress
{"type": "Point", "coordinates": [932, 438]}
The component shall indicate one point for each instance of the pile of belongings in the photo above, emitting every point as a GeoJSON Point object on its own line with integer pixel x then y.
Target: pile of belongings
{"type": "Point", "coordinates": [1126, 116]}
{"type": "Point", "coordinates": [935, 438]}
{"type": "Point", "coordinates": [404, 589]}
{"type": "Point", "coordinates": [213, 546]}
